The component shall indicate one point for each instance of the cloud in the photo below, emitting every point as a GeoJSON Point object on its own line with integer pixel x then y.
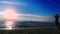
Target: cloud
{"type": "Point", "coordinates": [32, 17]}
{"type": "Point", "coordinates": [9, 2]}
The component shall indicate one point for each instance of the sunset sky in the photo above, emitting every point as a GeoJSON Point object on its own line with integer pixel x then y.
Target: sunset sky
{"type": "Point", "coordinates": [32, 10]}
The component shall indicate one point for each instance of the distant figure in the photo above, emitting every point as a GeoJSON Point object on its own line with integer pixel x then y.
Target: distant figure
{"type": "Point", "coordinates": [57, 21]}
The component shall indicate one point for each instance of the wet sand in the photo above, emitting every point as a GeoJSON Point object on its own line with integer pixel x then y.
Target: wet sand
{"type": "Point", "coordinates": [41, 30]}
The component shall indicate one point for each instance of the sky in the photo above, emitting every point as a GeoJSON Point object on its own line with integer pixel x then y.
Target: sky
{"type": "Point", "coordinates": [33, 10]}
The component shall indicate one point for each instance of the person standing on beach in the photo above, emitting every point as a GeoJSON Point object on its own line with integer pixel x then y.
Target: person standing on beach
{"type": "Point", "coordinates": [57, 21]}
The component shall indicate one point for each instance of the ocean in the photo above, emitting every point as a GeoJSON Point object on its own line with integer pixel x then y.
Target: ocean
{"type": "Point", "coordinates": [30, 24]}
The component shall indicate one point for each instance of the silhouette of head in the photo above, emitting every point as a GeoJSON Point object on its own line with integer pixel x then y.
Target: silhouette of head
{"type": "Point", "coordinates": [56, 15]}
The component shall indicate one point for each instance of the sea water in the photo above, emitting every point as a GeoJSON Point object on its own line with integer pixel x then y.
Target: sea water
{"type": "Point", "coordinates": [30, 24]}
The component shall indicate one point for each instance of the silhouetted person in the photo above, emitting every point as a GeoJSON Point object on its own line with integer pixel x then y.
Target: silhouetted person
{"type": "Point", "coordinates": [57, 21]}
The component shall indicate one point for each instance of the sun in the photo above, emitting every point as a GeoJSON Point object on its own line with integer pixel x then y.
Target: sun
{"type": "Point", "coordinates": [10, 14]}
